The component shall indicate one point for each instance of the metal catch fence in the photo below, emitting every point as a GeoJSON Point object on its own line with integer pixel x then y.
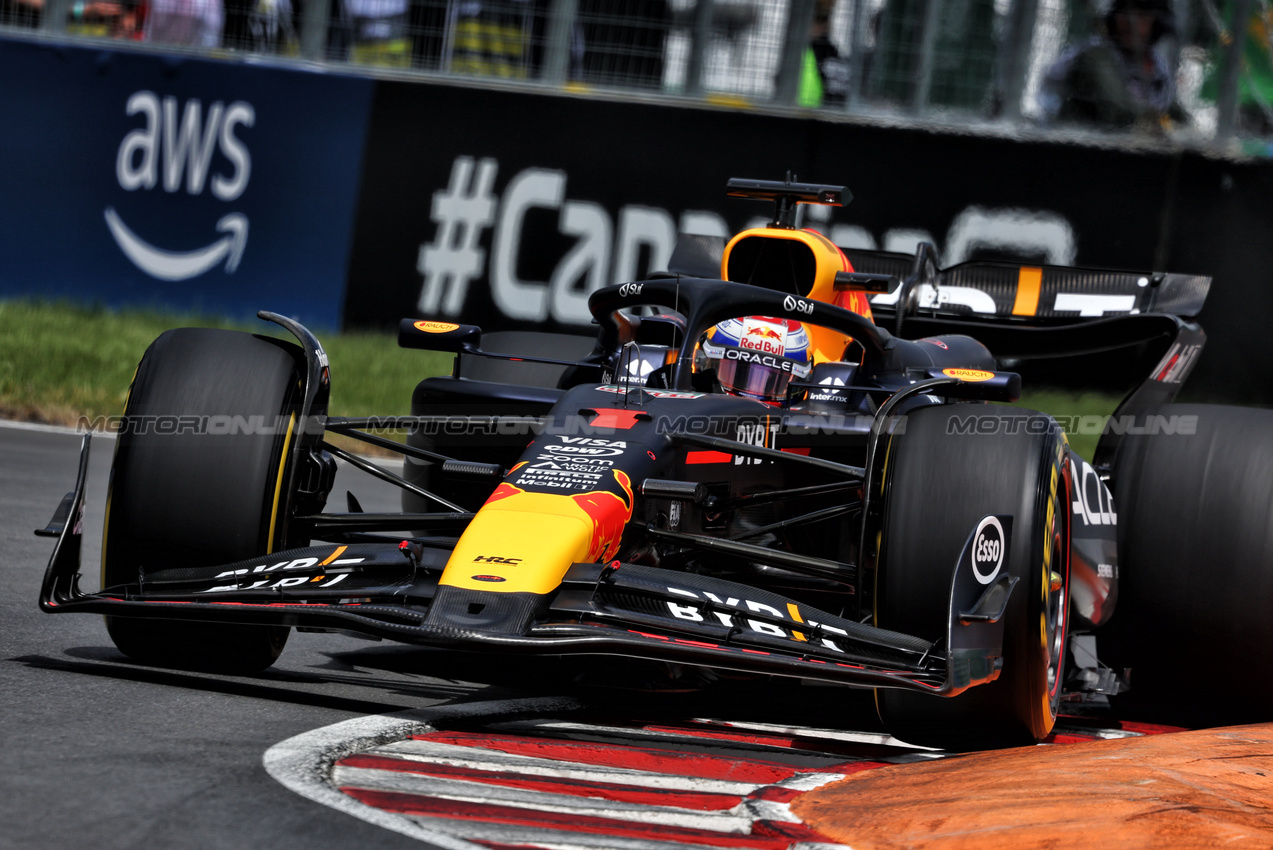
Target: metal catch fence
{"type": "Point", "coordinates": [1178, 68]}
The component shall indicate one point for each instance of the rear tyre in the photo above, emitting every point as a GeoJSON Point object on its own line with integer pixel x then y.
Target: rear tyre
{"type": "Point", "coordinates": [198, 480]}
{"type": "Point", "coordinates": [941, 479]}
{"type": "Point", "coordinates": [1195, 549]}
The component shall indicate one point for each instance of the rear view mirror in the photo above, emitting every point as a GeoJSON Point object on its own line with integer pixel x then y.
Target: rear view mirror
{"type": "Point", "coordinates": [980, 384]}
{"type": "Point", "coordinates": [438, 336]}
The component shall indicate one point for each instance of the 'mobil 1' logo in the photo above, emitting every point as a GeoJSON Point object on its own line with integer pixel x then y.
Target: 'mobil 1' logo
{"type": "Point", "coordinates": [175, 151]}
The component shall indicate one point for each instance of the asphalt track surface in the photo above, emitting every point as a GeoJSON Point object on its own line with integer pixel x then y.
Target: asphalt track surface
{"type": "Point", "coordinates": [102, 752]}
{"type": "Point", "coordinates": [346, 742]}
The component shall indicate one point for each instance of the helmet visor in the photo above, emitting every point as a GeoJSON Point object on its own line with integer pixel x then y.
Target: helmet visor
{"type": "Point", "coordinates": [753, 380]}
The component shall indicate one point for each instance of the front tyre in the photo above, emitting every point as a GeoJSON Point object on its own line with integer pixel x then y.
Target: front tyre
{"type": "Point", "coordinates": [197, 480]}
{"type": "Point", "coordinates": [952, 466]}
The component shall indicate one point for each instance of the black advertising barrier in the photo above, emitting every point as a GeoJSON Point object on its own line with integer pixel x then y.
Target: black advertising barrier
{"type": "Point", "coordinates": [504, 208]}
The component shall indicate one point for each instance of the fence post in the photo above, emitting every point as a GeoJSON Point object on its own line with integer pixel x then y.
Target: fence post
{"type": "Point", "coordinates": [857, 55]}
{"type": "Point", "coordinates": [1231, 72]}
{"type": "Point", "coordinates": [561, 20]}
{"type": "Point", "coordinates": [794, 44]}
{"type": "Point", "coordinates": [923, 81]}
{"type": "Point", "coordinates": [700, 34]}
{"type": "Point", "coordinates": [53, 18]}
{"type": "Point", "coordinates": [1013, 67]}
{"type": "Point", "coordinates": [314, 16]}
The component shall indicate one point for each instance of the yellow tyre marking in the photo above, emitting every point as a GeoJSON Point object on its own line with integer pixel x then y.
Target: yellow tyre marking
{"type": "Point", "coordinates": [888, 450]}
{"type": "Point", "coordinates": [278, 482]}
{"type": "Point", "coordinates": [1049, 526]}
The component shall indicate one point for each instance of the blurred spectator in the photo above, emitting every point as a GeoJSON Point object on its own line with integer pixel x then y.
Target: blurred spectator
{"type": "Point", "coordinates": [824, 78]}
{"type": "Point", "coordinates": [490, 38]}
{"type": "Point", "coordinates": [262, 26]}
{"type": "Point", "coordinates": [192, 23]}
{"type": "Point", "coordinates": [1118, 78]}
{"type": "Point", "coordinates": [1255, 77]}
{"type": "Point", "coordinates": [377, 32]}
{"type": "Point", "coordinates": [106, 19]}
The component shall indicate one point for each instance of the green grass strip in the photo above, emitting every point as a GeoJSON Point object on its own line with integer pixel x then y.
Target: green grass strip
{"type": "Point", "coordinates": [60, 362]}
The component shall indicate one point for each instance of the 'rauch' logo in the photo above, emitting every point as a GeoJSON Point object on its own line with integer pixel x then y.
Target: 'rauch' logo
{"type": "Point", "coordinates": [174, 150]}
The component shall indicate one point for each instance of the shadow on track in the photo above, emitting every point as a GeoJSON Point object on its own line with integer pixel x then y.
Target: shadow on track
{"type": "Point", "coordinates": [370, 681]}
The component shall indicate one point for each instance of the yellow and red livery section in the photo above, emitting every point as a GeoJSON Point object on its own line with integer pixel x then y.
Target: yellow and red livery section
{"type": "Point", "coordinates": [828, 345]}
{"type": "Point", "coordinates": [523, 541]}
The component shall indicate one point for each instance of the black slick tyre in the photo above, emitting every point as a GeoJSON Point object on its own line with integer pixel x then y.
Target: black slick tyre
{"type": "Point", "coordinates": [941, 478]}
{"type": "Point", "coordinates": [198, 480]}
{"type": "Point", "coordinates": [1193, 489]}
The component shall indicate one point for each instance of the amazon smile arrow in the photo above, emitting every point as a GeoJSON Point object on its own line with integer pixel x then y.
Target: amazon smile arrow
{"type": "Point", "coordinates": [180, 265]}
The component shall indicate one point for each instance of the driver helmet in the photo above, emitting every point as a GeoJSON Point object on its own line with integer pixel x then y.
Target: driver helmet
{"type": "Point", "coordinates": [757, 356]}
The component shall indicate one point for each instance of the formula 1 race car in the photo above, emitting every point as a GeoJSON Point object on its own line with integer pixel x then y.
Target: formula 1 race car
{"type": "Point", "coordinates": [745, 470]}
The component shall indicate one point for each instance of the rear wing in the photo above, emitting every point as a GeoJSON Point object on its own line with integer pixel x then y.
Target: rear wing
{"type": "Point", "coordinates": [1023, 312]}
{"type": "Point", "coordinates": [1035, 295]}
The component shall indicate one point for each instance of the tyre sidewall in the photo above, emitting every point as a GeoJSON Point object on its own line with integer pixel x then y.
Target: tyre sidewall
{"type": "Point", "coordinates": [198, 479]}
{"type": "Point", "coordinates": [940, 481]}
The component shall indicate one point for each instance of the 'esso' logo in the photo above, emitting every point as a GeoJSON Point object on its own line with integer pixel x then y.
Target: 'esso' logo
{"type": "Point", "coordinates": [797, 305]}
{"type": "Point", "coordinates": [987, 550]}
{"type": "Point", "coordinates": [436, 327]}
{"type": "Point", "coordinates": [973, 375]}
{"type": "Point", "coordinates": [630, 289]}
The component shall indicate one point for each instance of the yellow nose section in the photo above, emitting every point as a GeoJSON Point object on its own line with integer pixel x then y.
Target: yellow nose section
{"type": "Point", "coordinates": [518, 551]}
{"type": "Point", "coordinates": [523, 542]}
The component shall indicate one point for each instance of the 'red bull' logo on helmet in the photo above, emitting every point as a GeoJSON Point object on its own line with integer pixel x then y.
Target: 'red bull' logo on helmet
{"type": "Point", "coordinates": [768, 335]}
{"type": "Point", "coordinates": [763, 338]}
{"type": "Point", "coordinates": [609, 513]}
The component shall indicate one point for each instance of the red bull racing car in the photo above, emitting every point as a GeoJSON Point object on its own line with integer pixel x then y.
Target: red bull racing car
{"type": "Point", "coordinates": [750, 468]}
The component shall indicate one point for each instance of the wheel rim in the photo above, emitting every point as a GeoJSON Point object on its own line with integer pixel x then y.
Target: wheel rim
{"type": "Point", "coordinates": [1056, 623]}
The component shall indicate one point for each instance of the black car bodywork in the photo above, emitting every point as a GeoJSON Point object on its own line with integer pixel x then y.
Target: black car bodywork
{"type": "Point", "coordinates": [651, 517]}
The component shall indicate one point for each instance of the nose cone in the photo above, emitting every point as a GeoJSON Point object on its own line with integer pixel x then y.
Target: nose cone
{"type": "Point", "coordinates": [523, 542]}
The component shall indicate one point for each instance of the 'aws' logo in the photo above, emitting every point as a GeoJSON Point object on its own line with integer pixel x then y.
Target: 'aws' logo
{"type": "Point", "coordinates": [176, 150]}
